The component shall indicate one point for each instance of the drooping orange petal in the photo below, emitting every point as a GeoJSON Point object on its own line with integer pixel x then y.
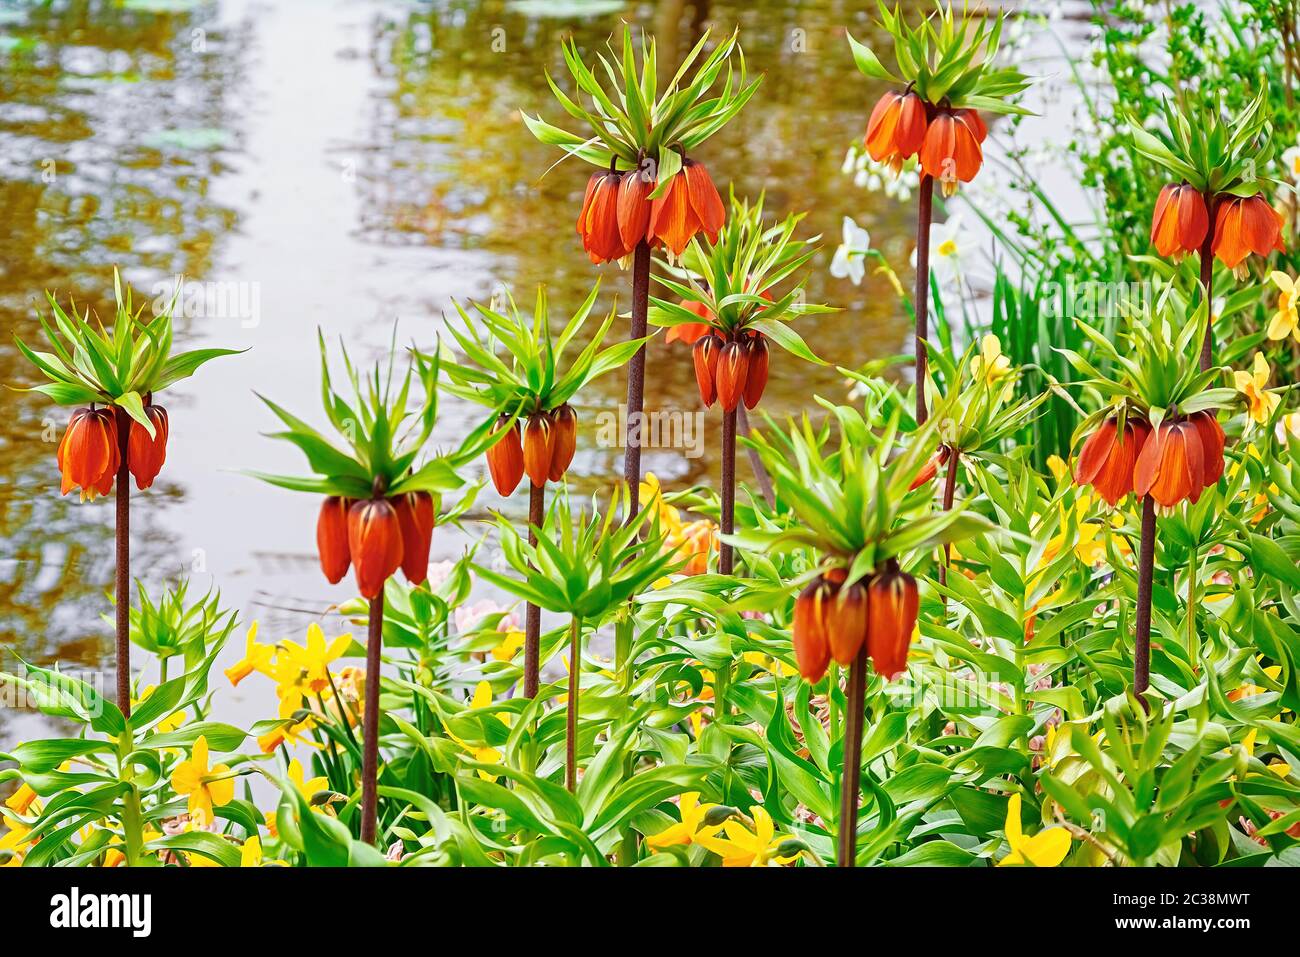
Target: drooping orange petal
{"type": "Point", "coordinates": [705, 201]}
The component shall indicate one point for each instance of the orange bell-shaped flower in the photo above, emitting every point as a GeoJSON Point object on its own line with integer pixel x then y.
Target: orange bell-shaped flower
{"type": "Point", "coordinates": [812, 650]}
{"type": "Point", "coordinates": [1207, 424]}
{"type": "Point", "coordinates": [896, 128]}
{"type": "Point", "coordinates": [951, 151]}
{"type": "Point", "coordinates": [690, 203]}
{"type": "Point", "coordinates": [145, 455]}
{"type": "Point", "coordinates": [566, 441]}
{"type": "Point", "coordinates": [704, 199]}
{"type": "Point", "coordinates": [634, 205]}
{"type": "Point", "coordinates": [598, 219]}
{"type": "Point", "coordinates": [705, 356]}
{"type": "Point", "coordinates": [332, 538]}
{"type": "Point", "coordinates": [539, 447]}
{"type": "Point", "coordinates": [89, 454]}
{"type": "Point", "coordinates": [846, 624]}
{"type": "Point", "coordinates": [415, 521]}
{"type": "Point", "coordinates": [506, 458]}
{"type": "Point", "coordinates": [1245, 225]}
{"type": "Point", "coordinates": [892, 606]}
{"type": "Point", "coordinates": [731, 374]}
{"type": "Point", "coordinates": [375, 543]}
{"type": "Point", "coordinates": [1171, 466]}
{"type": "Point", "coordinates": [1180, 221]}
{"type": "Point", "coordinates": [1107, 459]}
{"type": "Point", "coordinates": [756, 370]}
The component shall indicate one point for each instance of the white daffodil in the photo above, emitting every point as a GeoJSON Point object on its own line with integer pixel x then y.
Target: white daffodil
{"type": "Point", "coordinates": [1291, 160]}
{"type": "Point", "coordinates": [850, 259]}
{"type": "Point", "coordinates": [950, 243]}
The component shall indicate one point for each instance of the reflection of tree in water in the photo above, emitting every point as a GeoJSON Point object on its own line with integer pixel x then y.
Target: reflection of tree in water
{"type": "Point", "coordinates": [111, 128]}
{"type": "Point", "coordinates": [452, 165]}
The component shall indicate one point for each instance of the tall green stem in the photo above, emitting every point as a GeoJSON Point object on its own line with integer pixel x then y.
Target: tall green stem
{"type": "Point", "coordinates": [132, 813]}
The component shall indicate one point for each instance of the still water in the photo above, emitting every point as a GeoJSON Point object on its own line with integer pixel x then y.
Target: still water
{"type": "Point", "coordinates": [341, 165]}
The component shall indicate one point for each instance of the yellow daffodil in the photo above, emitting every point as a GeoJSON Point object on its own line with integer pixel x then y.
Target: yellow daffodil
{"type": "Point", "coordinates": [250, 853]}
{"type": "Point", "coordinates": [482, 754]}
{"type": "Point", "coordinates": [308, 788]}
{"type": "Point", "coordinates": [744, 848]}
{"type": "Point", "coordinates": [205, 786]}
{"type": "Point", "coordinates": [1286, 321]}
{"type": "Point", "coordinates": [288, 734]}
{"type": "Point", "coordinates": [990, 366]}
{"type": "Point", "coordinates": [1259, 402]}
{"type": "Point", "coordinates": [1288, 425]}
{"type": "Point", "coordinates": [21, 800]}
{"type": "Point", "coordinates": [302, 672]}
{"type": "Point", "coordinates": [510, 645]}
{"type": "Point", "coordinates": [257, 657]}
{"type": "Point", "coordinates": [1047, 848]}
{"type": "Point", "coordinates": [14, 842]}
{"type": "Point", "coordinates": [768, 663]}
{"type": "Point", "coordinates": [689, 828]}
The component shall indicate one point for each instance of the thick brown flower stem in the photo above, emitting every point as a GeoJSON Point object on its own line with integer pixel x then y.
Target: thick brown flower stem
{"type": "Point", "coordinates": [726, 555]}
{"type": "Point", "coordinates": [1142, 635]}
{"type": "Point", "coordinates": [856, 695]}
{"type": "Point", "coordinates": [370, 721]}
{"type": "Point", "coordinates": [122, 533]}
{"type": "Point", "coordinates": [636, 379]}
{"type": "Point", "coordinates": [921, 301]}
{"type": "Point", "coordinates": [949, 493]}
{"type": "Point", "coordinates": [533, 614]}
{"type": "Point", "coordinates": [571, 729]}
{"type": "Point", "coordinates": [1207, 288]}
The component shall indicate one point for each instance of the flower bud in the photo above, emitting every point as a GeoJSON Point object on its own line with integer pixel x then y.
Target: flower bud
{"type": "Point", "coordinates": [375, 542]}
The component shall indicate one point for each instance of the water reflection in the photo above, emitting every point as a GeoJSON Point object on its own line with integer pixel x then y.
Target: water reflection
{"type": "Point", "coordinates": [102, 107]}
{"type": "Point", "coordinates": [357, 161]}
